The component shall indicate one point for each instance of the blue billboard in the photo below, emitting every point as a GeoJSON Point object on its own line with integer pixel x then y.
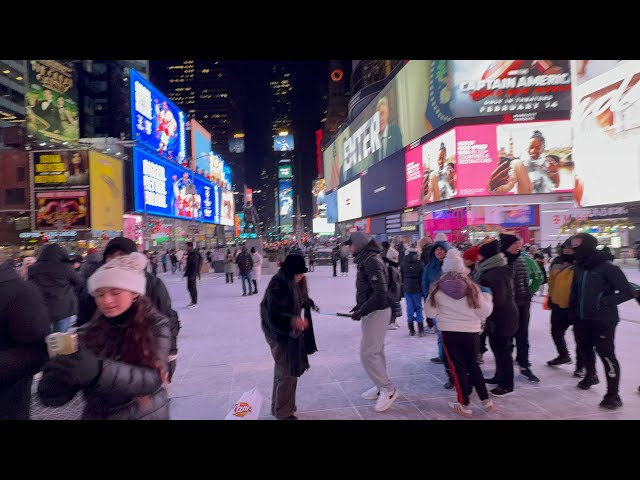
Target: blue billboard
{"type": "Point", "coordinates": [332, 207]}
{"type": "Point", "coordinates": [285, 205]}
{"type": "Point", "coordinates": [200, 148]}
{"type": "Point", "coordinates": [168, 190]}
{"type": "Point", "coordinates": [283, 143]}
{"type": "Point", "coordinates": [155, 121]}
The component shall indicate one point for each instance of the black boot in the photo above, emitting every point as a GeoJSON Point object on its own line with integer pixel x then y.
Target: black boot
{"type": "Point", "coordinates": [255, 287]}
{"type": "Point", "coordinates": [421, 329]}
{"type": "Point", "coordinates": [412, 331]}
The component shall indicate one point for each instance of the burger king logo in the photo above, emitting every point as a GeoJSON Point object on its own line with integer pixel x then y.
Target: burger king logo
{"type": "Point", "coordinates": [240, 409]}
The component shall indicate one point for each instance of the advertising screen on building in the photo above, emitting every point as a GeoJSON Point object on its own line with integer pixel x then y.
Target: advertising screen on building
{"type": "Point", "coordinates": [200, 148]}
{"type": "Point", "coordinates": [492, 159]}
{"type": "Point", "coordinates": [285, 171]}
{"type": "Point", "coordinates": [522, 88]}
{"type": "Point", "coordinates": [505, 216]}
{"type": "Point", "coordinates": [405, 110]}
{"type": "Point", "coordinates": [606, 121]}
{"type": "Point", "coordinates": [350, 201]}
{"type": "Point", "coordinates": [383, 186]}
{"type": "Point", "coordinates": [51, 101]}
{"type": "Point", "coordinates": [285, 205]}
{"type": "Point", "coordinates": [107, 193]}
{"type": "Point", "coordinates": [283, 143]}
{"type": "Point", "coordinates": [168, 190]}
{"type": "Point", "coordinates": [62, 209]}
{"type": "Point", "coordinates": [236, 145]}
{"type": "Point", "coordinates": [66, 168]}
{"type": "Point", "coordinates": [155, 121]}
{"type": "Point", "coordinates": [322, 227]}
{"type": "Point", "coordinates": [227, 205]}
{"type": "Point", "coordinates": [332, 207]}
{"type": "Point", "coordinates": [319, 198]}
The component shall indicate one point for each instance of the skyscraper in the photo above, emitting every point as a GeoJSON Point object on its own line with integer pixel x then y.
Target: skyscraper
{"type": "Point", "coordinates": [337, 101]}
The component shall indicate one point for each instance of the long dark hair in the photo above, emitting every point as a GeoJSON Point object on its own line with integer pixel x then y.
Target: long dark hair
{"type": "Point", "coordinates": [472, 293]}
{"type": "Point", "coordinates": [303, 290]}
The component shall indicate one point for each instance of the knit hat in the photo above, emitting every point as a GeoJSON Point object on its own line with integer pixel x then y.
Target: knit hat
{"type": "Point", "coordinates": [125, 272]}
{"type": "Point", "coordinates": [471, 254]}
{"type": "Point", "coordinates": [506, 241]}
{"type": "Point", "coordinates": [119, 244]}
{"type": "Point", "coordinates": [491, 249]}
{"type": "Point", "coordinates": [567, 243]}
{"type": "Point", "coordinates": [359, 240]}
{"type": "Point", "coordinates": [441, 237]}
{"type": "Point", "coordinates": [453, 262]}
{"type": "Point", "coordinates": [293, 265]}
{"type": "Point", "coordinates": [393, 255]}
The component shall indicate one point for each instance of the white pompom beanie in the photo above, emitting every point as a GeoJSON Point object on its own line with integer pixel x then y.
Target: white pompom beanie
{"type": "Point", "coordinates": [454, 262]}
{"type": "Point", "coordinates": [125, 272]}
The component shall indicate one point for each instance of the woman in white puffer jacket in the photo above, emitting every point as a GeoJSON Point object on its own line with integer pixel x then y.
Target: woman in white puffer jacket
{"type": "Point", "coordinates": [461, 309]}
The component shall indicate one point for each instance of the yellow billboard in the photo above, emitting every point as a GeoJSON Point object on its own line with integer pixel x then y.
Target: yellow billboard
{"type": "Point", "coordinates": [107, 195]}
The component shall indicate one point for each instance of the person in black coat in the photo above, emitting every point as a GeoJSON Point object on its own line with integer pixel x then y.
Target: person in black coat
{"type": "Point", "coordinates": [287, 332]}
{"type": "Point", "coordinates": [502, 324]}
{"type": "Point", "coordinates": [411, 269]}
{"type": "Point", "coordinates": [24, 324]}
{"type": "Point", "coordinates": [59, 284]}
{"type": "Point", "coordinates": [155, 291]}
{"type": "Point", "coordinates": [597, 289]}
{"type": "Point", "coordinates": [91, 263]}
{"type": "Point", "coordinates": [121, 365]}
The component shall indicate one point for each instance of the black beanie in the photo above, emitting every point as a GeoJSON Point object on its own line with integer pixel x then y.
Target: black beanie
{"type": "Point", "coordinates": [589, 242]}
{"type": "Point", "coordinates": [488, 250]}
{"type": "Point", "coordinates": [293, 265]}
{"type": "Point", "coordinates": [567, 243]}
{"type": "Point", "coordinates": [119, 244]}
{"type": "Point", "coordinates": [506, 241]}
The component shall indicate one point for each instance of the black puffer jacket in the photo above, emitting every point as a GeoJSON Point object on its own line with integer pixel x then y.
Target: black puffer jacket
{"type": "Point", "coordinates": [24, 324]}
{"type": "Point", "coordinates": [123, 391]}
{"type": "Point", "coordinates": [598, 288]}
{"type": "Point", "coordinates": [411, 269]}
{"type": "Point", "coordinates": [372, 280]}
{"type": "Point", "coordinates": [280, 304]}
{"type": "Point", "coordinates": [58, 282]}
{"type": "Point", "coordinates": [496, 275]}
{"type": "Point", "coordinates": [90, 265]}
{"type": "Point", "coordinates": [520, 278]}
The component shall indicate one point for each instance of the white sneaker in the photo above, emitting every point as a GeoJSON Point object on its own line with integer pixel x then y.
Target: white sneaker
{"type": "Point", "coordinates": [386, 399]}
{"type": "Point", "coordinates": [192, 305]}
{"type": "Point", "coordinates": [461, 410]}
{"type": "Point", "coordinates": [393, 326]}
{"type": "Point", "coordinates": [372, 394]}
{"type": "Point", "coordinates": [488, 405]}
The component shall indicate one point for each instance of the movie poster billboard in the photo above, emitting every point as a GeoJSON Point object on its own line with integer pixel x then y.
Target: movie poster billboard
{"type": "Point", "coordinates": [319, 198]}
{"type": "Point", "coordinates": [107, 192]}
{"type": "Point", "coordinates": [285, 205]}
{"type": "Point", "coordinates": [200, 149]}
{"type": "Point", "coordinates": [51, 102]}
{"type": "Point", "coordinates": [404, 110]}
{"type": "Point", "coordinates": [60, 169]}
{"type": "Point", "coordinates": [521, 88]}
{"type": "Point", "coordinates": [606, 121]}
{"type": "Point", "coordinates": [227, 205]}
{"type": "Point", "coordinates": [168, 190]}
{"type": "Point", "coordinates": [62, 209]}
{"type": "Point", "coordinates": [156, 121]}
{"type": "Point", "coordinates": [439, 168]}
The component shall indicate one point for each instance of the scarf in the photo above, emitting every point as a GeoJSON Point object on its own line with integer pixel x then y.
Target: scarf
{"type": "Point", "coordinates": [492, 262]}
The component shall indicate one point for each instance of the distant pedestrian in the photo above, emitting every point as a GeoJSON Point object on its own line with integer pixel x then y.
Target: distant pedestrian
{"type": "Point", "coordinates": [395, 286]}
{"type": "Point", "coordinates": [344, 260]}
{"type": "Point", "coordinates": [311, 254]}
{"type": "Point", "coordinates": [256, 271]}
{"type": "Point", "coordinates": [192, 271]}
{"type": "Point", "coordinates": [228, 267]}
{"type": "Point", "coordinates": [245, 266]}
{"type": "Point", "coordinates": [411, 270]}
{"type": "Point", "coordinates": [335, 258]}
{"type": "Point", "coordinates": [164, 261]}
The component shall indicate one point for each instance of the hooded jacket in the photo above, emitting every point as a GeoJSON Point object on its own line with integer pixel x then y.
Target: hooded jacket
{"type": "Point", "coordinates": [452, 309]}
{"type": "Point", "coordinates": [90, 265]}
{"type": "Point", "coordinates": [495, 274]}
{"type": "Point", "coordinates": [433, 270]}
{"type": "Point", "coordinates": [411, 269]}
{"type": "Point", "coordinates": [58, 282]}
{"type": "Point", "coordinates": [371, 280]}
{"type": "Point", "coordinates": [598, 285]}
{"type": "Point", "coordinates": [24, 324]}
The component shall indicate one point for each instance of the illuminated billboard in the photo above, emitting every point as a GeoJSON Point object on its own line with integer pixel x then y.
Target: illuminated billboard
{"type": "Point", "coordinates": [60, 168]}
{"type": "Point", "coordinates": [62, 209]}
{"type": "Point", "coordinates": [285, 205]}
{"type": "Point", "coordinates": [168, 190]}
{"type": "Point", "coordinates": [283, 143]}
{"type": "Point", "coordinates": [350, 201]}
{"type": "Point", "coordinates": [406, 109]}
{"type": "Point", "coordinates": [200, 148]}
{"type": "Point", "coordinates": [227, 208]}
{"type": "Point", "coordinates": [156, 122]}
{"type": "Point", "coordinates": [51, 101]}
{"type": "Point", "coordinates": [606, 121]}
{"type": "Point", "coordinates": [285, 171]}
{"type": "Point", "coordinates": [236, 145]}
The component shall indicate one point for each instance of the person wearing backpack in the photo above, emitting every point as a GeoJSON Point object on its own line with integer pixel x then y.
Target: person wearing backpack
{"type": "Point", "coordinates": [560, 280]}
{"type": "Point", "coordinates": [372, 308]}
{"type": "Point", "coordinates": [411, 270]}
{"type": "Point", "coordinates": [245, 265]}
{"type": "Point", "coordinates": [395, 286]}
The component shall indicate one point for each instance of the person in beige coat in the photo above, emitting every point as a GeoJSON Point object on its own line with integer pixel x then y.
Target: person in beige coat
{"type": "Point", "coordinates": [257, 268]}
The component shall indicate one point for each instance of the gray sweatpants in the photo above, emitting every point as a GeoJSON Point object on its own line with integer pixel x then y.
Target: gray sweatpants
{"type": "Point", "coordinates": [374, 328]}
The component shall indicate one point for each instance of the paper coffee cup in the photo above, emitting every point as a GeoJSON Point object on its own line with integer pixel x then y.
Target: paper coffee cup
{"type": "Point", "coordinates": [59, 343]}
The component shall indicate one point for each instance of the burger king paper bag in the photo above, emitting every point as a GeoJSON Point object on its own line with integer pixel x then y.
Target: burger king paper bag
{"type": "Point", "coordinates": [247, 407]}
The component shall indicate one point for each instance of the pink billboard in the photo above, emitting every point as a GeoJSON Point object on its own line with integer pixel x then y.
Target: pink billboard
{"type": "Point", "coordinates": [477, 154]}
{"type": "Point", "coordinates": [413, 170]}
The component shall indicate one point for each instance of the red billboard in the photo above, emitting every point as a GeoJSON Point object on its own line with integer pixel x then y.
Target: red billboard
{"type": "Point", "coordinates": [62, 209]}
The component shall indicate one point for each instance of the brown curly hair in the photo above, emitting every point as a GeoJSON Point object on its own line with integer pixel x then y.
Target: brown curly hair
{"type": "Point", "coordinates": [137, 346]}
{"type": "Point", "coordinates": [472, 292]}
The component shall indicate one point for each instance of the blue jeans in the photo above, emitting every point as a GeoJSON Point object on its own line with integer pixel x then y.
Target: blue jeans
{"type": "Point", "coordinates": [439, 335]}
{"type": "Point", "coordinates": [414, 307]}
{"type": "Point", "coordinates": [246, 276]}
{"type": "Point", "coordinates": [64, 324]}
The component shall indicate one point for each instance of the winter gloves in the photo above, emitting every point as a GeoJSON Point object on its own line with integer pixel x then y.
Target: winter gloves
{"type": "Point", "coordinates": [80, 369]}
